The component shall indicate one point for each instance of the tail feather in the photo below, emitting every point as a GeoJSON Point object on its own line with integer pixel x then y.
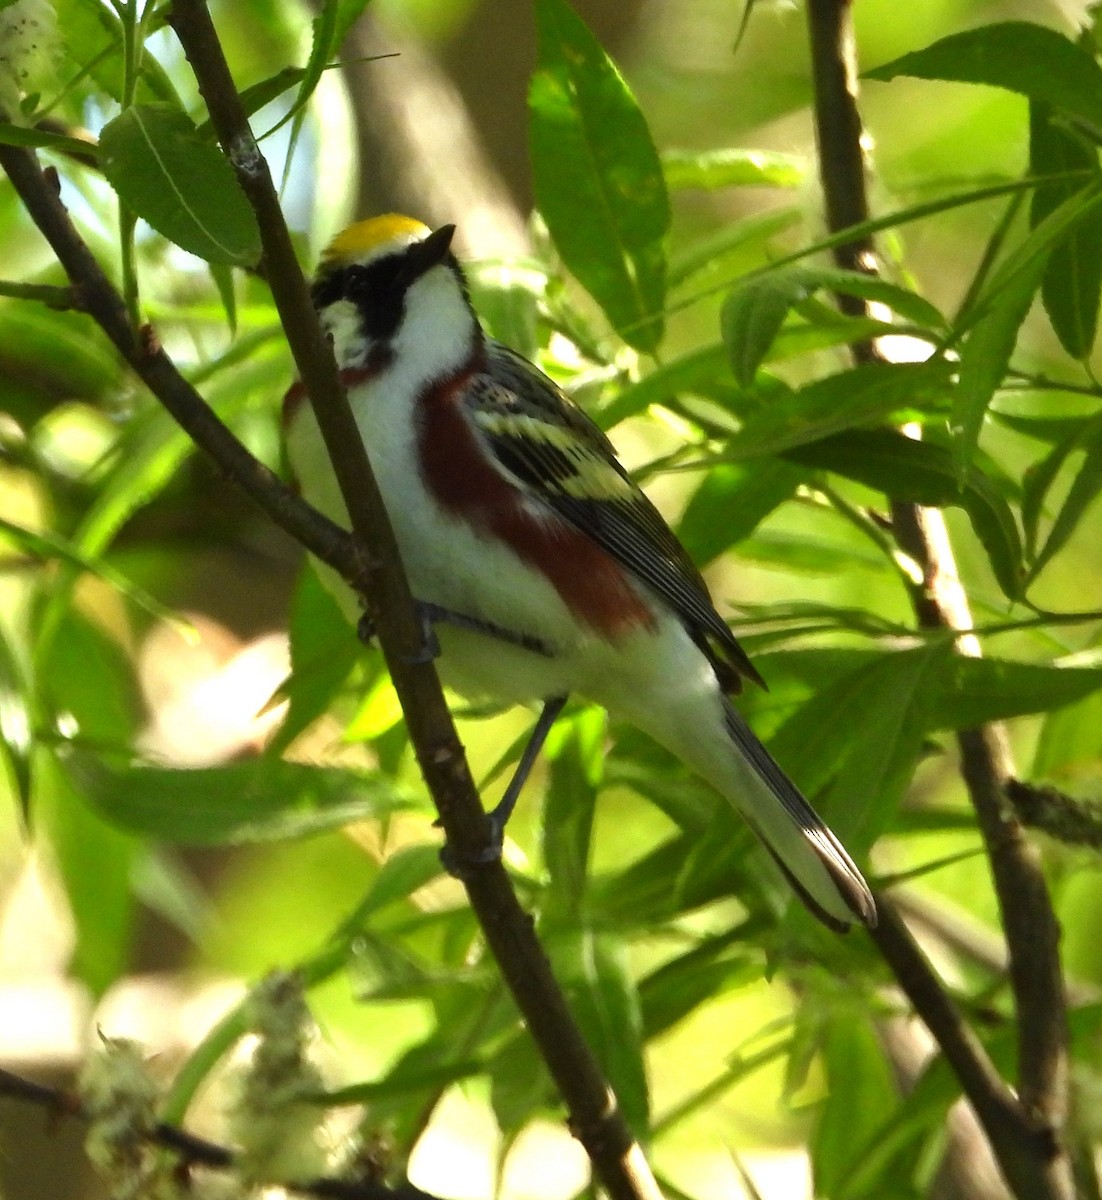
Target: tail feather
{"type": "Point", "coordinates": [811, 857]}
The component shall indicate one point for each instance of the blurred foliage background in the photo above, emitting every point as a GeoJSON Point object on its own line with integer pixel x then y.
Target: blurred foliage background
{"type": "Point", "coordinates": [145, 608]}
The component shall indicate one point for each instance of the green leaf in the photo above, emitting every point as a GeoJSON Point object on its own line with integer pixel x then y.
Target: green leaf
{"type": "Point", "coordinates": [1070, 742]}
{"type": "Point", "coordinates": [257, 801]}
{"type": "Point", "coordinates": [597, 177]}
{"type": "Point", "coordinates": [575, 750]}
{"type": "Point", "coordinates": [1021, 57]}
{"type": "Point", "coordinates": [184, 187]}
{"type": "Point", "coordinates": [752, 316]}
{"type": "Point", "coordinates": [1072, 281]}
{"type": "Point", "coordinates": [47, 547]}
{"type": "Point", "coordinates": [689, 980]}
{"type": "Point", "coordinates": [87, 676]}
{"type": "Point", "coordinates": [731, 502]}
{"type": "Point", "coordinates": [730, 246]}
{"type": "Point", "coordinates": [1069, 435]}
{"type": "Point", "coordinates": [984, 359]}
{"type": "Point", "coordinates": [93, 39]}
{"type": "Point", "coordinates": [1082, 493]}
{"type": "Point", "coordinates": [998, 314]}
{"type": "Point", "coordinates": [754, 312]}
{"type": "Point", "coordinates": [16, 738]}
{"type": "Point", "coordinates": [922, 473]}
{"type": "Point", "coordinates": [324, 649]}
{"type": "Point", "coordinates": [42, 139]}
{"type": "Point", "coordinates": [402, 873]}
{"type": "Point", "coordinates": [323, 46]}
{"type": "Point", "coordinates": [95, 861]}
{"type": "Point", "coordinates": [860, 396]}
{"type": "Point", "coordinates": [705, 372]}
{"type": "Point", "coordinates": [969, 692]}
{"type": "Point", "coordinates": [861, 1089]}
{"type": "Point", "coordinates": [712, 169]}
{"type": "Point", "coordinates": [862, 734]}
{"type": "Point", "coordinates": [594, 971]}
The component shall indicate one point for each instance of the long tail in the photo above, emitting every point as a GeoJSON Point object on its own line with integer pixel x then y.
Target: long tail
{"type": "Point", "coordinates": [811, 857]}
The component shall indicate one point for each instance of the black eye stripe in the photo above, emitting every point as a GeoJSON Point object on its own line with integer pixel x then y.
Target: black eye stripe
{"type": "Point", "coordinates": [375, 289]}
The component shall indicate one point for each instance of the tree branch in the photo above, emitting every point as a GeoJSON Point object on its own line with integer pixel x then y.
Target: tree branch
{"type": "Point", "coordinates": [1034, 1164]}
{"type": "Point", "coordinates": [594, 1116]}
{"type": "Point", "coordinates": [197, 1151]}
{"type": "Point", "coordinates": [1070, 820]}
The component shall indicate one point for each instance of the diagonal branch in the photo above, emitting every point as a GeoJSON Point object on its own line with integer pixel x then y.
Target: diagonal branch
{"type": "Point", "coordinates": [1036, 1167]}
{"type": "Point", "coordinates": [594, 1115]}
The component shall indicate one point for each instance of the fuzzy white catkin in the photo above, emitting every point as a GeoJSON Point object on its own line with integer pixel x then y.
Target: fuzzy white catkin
{"type": "Point", "coordinates": [29, 46]}
{"type": "Point", "coordinates": [119, 1099]}
{"type": "Point", "coordinates": [272, 1119]}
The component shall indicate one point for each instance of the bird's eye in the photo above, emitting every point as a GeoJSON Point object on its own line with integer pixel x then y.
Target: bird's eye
{"type": "Point", "coordinates": [377, 292]}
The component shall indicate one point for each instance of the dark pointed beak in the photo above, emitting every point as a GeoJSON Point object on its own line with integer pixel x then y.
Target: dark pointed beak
{"type": "Point", "coordinates": [424, 255]}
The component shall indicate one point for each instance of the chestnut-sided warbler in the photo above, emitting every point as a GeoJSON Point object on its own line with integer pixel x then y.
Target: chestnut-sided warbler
{"type": "Point", "coordinates": [548, 569]}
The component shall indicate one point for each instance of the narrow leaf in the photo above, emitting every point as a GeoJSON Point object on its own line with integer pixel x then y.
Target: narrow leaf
{"type": "Point", "coordinates": [576, 753]}
{"type": "Point", "coordinates": [730, 503]}
{"type": "Point", "coordinates": [984, 359]}
{"type": "Point", "coordinates": [595, 973]}
{"type": "Point", "coordinates": [1072, 281]}
{"type": "Point", "coordinates": [753, 313]}
{"type": "Point", "coordinates": [922, 473]}
{"type": "Point", "coordinates": [860, 396]}
{"type": "Point", "coordinates": [1019, 56]}
{"type": "Point", "coordinates": [597, 177]}
{"type": "Point", "coordinates": [42, 139]}
{"type": "Point", "coordinates": [712, 169]}
{"type": "Point", "coordinates": [1083, 492]}
{"type": "Point", "coordinates": [972, 691]}
{"type": "Point", "coordinates": [258, 801]}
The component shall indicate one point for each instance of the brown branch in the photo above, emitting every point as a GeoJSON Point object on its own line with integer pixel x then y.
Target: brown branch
{"type": "Point", "coordinates": [1033, 1161]}
{"type": "Point", "coordinates": [1069, 820]}
{"type": "Point", "coordinates": [197, 1151]}
{"type": "Point", "coordinates": [594, 1116]}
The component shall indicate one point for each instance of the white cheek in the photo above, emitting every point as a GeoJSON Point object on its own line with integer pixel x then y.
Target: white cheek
{"type": "Point", "coordinates": [341, 321]}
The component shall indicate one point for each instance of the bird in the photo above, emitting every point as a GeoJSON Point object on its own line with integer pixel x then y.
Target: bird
{"type": "Point", "coordinates": [544, 569]}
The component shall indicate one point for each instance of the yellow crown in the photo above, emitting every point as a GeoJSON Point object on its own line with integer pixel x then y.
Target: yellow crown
{"type": "Point", "coordinates": [367, 235]}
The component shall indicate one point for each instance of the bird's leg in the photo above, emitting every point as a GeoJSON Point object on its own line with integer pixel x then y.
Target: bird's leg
{"type": "Point", "coordinates": [431, 614]}
{"type": "Point", "coordinates": [500, 815]}
{"type": "Point", "coordinates": [504, 809]}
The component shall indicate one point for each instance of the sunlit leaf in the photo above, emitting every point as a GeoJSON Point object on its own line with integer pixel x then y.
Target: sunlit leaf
{"type": "Point", "coordinates": [593, 969]}
{"type": "Point", "coordinates": [575, 750]}
{"type": "Point", "coordinates": [597, 176]}
{"type": "Point", "coordinates": [1022, 57]}
{"type": "Point", "coordinates": [731, 501]}
{"type": "Point", "coordinates": [95, 860]}
{"type": "Point", "coordinates": [712, 169]}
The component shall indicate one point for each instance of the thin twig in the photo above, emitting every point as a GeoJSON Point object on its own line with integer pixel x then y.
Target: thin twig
{"type": "Point", "coordinates": [594, 1116]}
{"type": "Point", "coordinates": [197, 1151]}
{"type": "Point", "coordinates": [1032, 1158]}
{"type": "Point", "coordinates": [1073, 821]}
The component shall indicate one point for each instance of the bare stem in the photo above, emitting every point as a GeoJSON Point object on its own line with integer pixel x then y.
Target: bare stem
{"type": "Point", "coordinates": [594, 1115]}
{"type": "Point", "coordinates": [197, 1151]}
